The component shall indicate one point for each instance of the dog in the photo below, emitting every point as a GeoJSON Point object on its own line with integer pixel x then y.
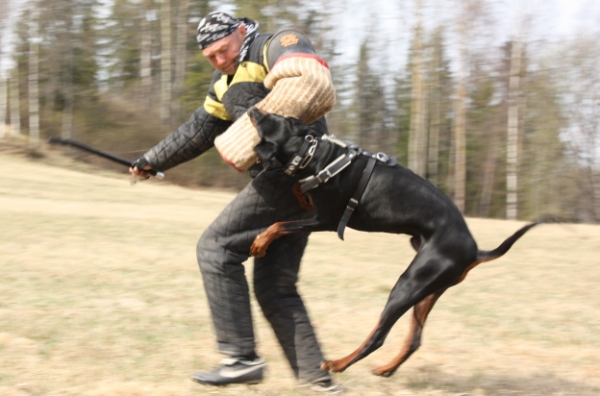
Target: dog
{"type": "Point", "coordinates": [369, 192]}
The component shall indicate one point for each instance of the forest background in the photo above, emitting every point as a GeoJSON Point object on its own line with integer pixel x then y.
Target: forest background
{"type": "Point", "coordinates": [491, 106]}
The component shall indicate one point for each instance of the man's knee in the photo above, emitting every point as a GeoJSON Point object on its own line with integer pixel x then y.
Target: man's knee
{"type": "Point", "coordinates": [204, 250]}
{"type": "Point", "coordinates": [215, 257]}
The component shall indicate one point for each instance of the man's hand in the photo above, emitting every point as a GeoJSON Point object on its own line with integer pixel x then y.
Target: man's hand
{"type": "Point", "coordinates": [140, 168]}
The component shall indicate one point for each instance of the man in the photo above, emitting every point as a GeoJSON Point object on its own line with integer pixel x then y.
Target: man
{"type": "Point", "coordinates": [281, 74]}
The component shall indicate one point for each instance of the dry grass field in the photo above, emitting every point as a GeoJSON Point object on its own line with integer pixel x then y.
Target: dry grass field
{"type": "Point", "coordinates": [101, 295]}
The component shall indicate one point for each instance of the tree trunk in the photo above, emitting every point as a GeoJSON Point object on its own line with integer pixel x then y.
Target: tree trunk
{"type": "Point", "coordinates": [512, 140]}
{"type": "Point", "coordinates": [435, 126]}
{"type": "Point", "coordinates": [417, 143]}
{"type": "Point", "coordinates": [165, 62]}
{"type": "Point", "coordinates": [15, 105]}
{"type": "Point", "coordinates": [180, 59]}
{"type": "Point", "coordinates": [489, 172]}
{"type": "Point", "coordinates": [33, 78]}
{"type": "Point", "coordinates": [460, 138]}
{"type": "Point", "coordinates": [67, 80]}
{"type": "Point", "coordinates": [596, 192]}
{"type": "Point", "coordinates": [3, 104]}
{"type": "Point", "coordinates": [145, 61]}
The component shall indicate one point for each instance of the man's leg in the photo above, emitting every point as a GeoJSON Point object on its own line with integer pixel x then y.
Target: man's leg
{"type": "Point", "coordinates": [225, 245]}
{"type": "Point", "coordinates": [275, 277]}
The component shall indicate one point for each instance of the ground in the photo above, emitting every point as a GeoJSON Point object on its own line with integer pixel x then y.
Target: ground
{"type": "Point", "coordinates": [101, 295]}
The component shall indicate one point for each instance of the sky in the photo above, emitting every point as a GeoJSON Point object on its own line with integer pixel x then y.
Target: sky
{"type": "Point", "coordinates": [391, 21]}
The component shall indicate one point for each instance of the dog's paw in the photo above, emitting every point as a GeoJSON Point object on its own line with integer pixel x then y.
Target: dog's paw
{"type": "Point", "coordinates": [258, 249]}
{"type": "Point", "coordinates": [384, 371]}
{"type": "Point", "coordinates": [333, 365]}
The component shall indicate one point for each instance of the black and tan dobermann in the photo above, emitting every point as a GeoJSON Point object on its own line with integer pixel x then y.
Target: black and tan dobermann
{"type": "Point", "coordinates": [369, 192]}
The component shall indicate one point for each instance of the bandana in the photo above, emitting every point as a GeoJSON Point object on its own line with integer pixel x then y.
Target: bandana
{"type": "Point", "coordinates": [218, 25]}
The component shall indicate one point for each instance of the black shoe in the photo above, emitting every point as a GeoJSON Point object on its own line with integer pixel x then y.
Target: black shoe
{"type": "Point", "coordinates": [326, 387]}
{"type": "Point", "coordinates": [234, 370]}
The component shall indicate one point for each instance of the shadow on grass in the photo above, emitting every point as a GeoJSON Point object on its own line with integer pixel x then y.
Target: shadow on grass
{"type": "Point", "coordinates": [430, 378]}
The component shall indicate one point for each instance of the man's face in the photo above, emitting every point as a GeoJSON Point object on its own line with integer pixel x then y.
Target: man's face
{"type": "Point", "coordinates": [223, 54]}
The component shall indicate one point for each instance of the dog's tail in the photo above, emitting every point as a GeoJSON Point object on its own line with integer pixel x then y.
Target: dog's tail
{"type": "Point", "coordinates": [488, 255]}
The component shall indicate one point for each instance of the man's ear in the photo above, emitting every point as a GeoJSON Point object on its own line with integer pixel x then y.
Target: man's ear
{"type": "Point", "coordinates": [265, 150]}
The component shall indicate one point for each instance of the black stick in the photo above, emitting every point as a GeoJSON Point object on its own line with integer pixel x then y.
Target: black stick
{"type": "Point", "coordinates": [103, 154]}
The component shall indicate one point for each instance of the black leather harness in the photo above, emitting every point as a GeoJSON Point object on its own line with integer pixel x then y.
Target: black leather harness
{"type": "Point", "coordinates": [306, 154]}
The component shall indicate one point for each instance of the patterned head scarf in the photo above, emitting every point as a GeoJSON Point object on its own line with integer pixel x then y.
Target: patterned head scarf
{"type": "Point", "coordinates": [218, 25]}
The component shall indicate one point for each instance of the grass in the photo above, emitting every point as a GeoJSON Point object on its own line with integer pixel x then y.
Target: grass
{"type": "Point", "coordinates": [101, 295]}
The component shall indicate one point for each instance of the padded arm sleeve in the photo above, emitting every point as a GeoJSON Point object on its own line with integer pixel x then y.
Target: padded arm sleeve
{"type": "Point", "coordinates": [300, 81]}
{"type": "Point", "coordinates": [301, 87]}
{"type": "Point", "coordinates": [187, 142]}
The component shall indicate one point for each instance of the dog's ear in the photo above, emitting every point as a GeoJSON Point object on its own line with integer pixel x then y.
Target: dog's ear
{"type": "Point", "coordinates": [256, 115]}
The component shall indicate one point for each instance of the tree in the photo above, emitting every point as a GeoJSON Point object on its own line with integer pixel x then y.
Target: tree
{"type": "Point", "coordinates": [165, 62]}
{"type": "Point", "coordinates": [369, 104]}
{"type": "Point", "coordinates": [439, 90]}
{"type": "Point", "coordinates": [547, 176]}
{"type": "Point", "coordinates": [417, 141]}
{"type": "Point", "coordinates": [182, 33]}
{"type": "Point", "coordinates": [33, 77]}
{"type": "Point", "coordinates": [14, 99]}
{"type": "Point", "coordinates": [460, 139]}
{"type": "Point", "coordinates": [512, 144]}
{"type": "Point", "coordinates": [580, 81]}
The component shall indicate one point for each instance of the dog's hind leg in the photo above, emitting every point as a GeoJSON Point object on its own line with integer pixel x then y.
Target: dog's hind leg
{"type": "Point", "coordinates": [413, 340]}
{"type": "Point", "coordinates": [428, 274]}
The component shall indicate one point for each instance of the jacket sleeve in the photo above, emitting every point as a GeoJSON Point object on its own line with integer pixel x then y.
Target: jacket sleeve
{"type": "Point", "coordinates": [194, 137]}
{"type": "Point", "coordinates": [187, 142]}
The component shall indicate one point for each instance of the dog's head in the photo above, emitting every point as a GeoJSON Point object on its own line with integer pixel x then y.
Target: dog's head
{"type": "Point", "coordinates": [281, 137]}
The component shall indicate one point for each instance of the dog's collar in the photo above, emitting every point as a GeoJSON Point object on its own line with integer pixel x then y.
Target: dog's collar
{"type": "Point", "coordinates": [304, 156]}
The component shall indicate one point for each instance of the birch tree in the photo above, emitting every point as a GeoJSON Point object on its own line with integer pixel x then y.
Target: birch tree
{"type": "Point", "coordinates": [460, 110]}
{"type": "Point", "coordinates": [146, 58]}
{"type": "Point", "coordinates": [165, 62]}
{"type": "Point", "coordinates": [66, 45]}
{"type": "Point", "coordinates": [417, 141]}
{"type": "Point", "coordinates": [3, 78]}
{"type": "Point", "coordinates": [14, 100]}
{"type": "Point", "coordinates": [512, 136]}
{"type": "Point", "coordinates": [182, 36]}
{"type": "Point", "coordinates": [33, 77]}
{"type": "Point", "coordinates": [438, 97]}
{"type": "Point", "coordinates": [3, 103]}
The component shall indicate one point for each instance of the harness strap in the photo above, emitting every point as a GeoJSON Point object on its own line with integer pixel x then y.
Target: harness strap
{"type": "Point", "coordinates": [354, 201]}
{"type": "Point", "coordinates": [328, 172]}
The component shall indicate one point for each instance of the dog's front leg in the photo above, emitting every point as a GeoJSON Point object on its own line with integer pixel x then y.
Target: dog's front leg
{"type": "Point", "coordinates": [264, 239]}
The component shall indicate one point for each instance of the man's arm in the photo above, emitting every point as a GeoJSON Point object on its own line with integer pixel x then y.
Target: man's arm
{"type": "Point", "coordinates": [188, 141]}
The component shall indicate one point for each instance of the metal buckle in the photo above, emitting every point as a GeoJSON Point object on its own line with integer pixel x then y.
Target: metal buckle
{"type": "Point", "coordinates": [311, 151]}
{"type": "Point", "coordinates": [383, 157]}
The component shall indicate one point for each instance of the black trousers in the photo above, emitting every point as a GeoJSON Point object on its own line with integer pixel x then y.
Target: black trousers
{"type": "Point", "coordinates": [221, 251]}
